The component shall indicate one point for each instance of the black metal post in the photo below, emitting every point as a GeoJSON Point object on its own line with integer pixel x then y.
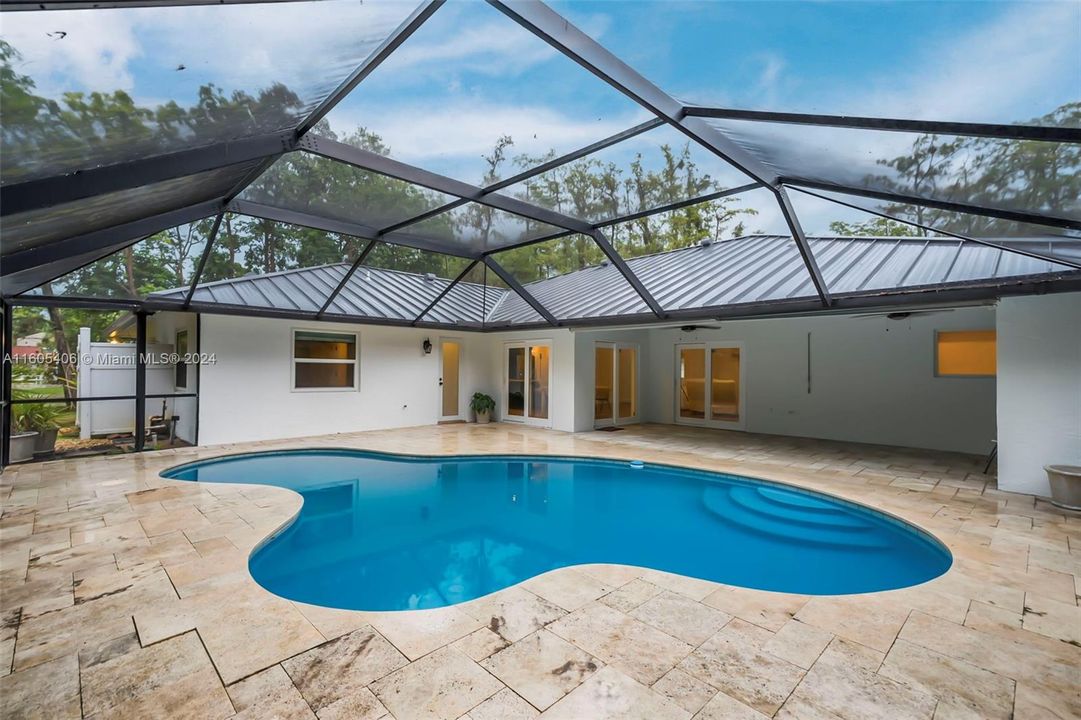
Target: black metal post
{"type": "Point", "coordinates": [140, 380]}
{"type": "Point", "coordinates": [198, 372]}
{"type": "Point", "coordinates": [345, 278]}
{"type": "Point", "coordinates": [203, 258]}
{"type": "Point", "coordinates": [443, 293]}
{"type": "Point", "coordinates": [5, 383]}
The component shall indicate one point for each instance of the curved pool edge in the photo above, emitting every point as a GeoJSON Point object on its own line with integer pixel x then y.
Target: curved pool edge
{"type": "Point", "coordinates": [909, 526]}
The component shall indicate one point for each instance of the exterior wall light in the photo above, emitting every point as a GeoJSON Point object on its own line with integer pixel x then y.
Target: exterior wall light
{"type": "Point", "coordinates": [427, 346]}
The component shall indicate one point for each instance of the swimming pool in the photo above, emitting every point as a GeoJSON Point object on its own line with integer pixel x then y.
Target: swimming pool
{"type": "Point", "coordinates": [390, 532]}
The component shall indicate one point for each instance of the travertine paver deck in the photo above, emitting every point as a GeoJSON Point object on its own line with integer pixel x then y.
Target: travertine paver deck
{"type": "Point", "coordinates": [126, 595]}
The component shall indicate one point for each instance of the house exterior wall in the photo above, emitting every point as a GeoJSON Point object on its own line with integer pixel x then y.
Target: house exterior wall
{"type": "Point", "coordinates": [247, 395]}
{"type": "Point", "coordinates": [1039, 388]}
{"type": "Point", "coordinates": [872, 379]}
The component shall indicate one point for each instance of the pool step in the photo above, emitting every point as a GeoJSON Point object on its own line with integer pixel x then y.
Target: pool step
{"type": "Point", "coordinates": [755, 501]}
{"type": "Point", "coordinates": [720, 502]}
{"type": "Point", "coordinates": [790, 498]}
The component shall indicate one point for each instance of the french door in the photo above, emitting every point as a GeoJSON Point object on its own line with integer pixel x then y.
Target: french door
{"type": "Point", "coordinates": [528, 378]}
{"type": "Point", "coordinates": [709, 385]}
{"type": "Point", "coordinates": [615, 386]}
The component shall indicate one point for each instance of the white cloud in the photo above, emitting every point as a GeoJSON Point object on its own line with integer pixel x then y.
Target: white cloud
{"type": "Point", "coordinates": [307, 45]}
{"type": "Point", "coordinates": [997, 72]}
{"type": "Point", "coordinates": [459, 134]}
{"type": "Point", "coordinates": [95, 54]}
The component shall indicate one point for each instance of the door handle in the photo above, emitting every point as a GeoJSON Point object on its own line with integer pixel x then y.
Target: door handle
{"type": "Point", "coordinates": [440, 382]}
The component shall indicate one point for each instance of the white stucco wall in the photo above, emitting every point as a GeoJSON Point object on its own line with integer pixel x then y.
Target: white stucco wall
{"type": "Point", "coordinates": [247, 395]}
{"type": "Point", "coordinates": [1039, 388]}
{"type": "Point", "coordinates": [872, 379]}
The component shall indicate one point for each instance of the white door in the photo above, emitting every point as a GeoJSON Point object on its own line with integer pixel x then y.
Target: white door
{"type": "Point", "coordinates": [450, 369]}
{"type": "Point", "coordinates": [615, 387]}
{"type": "Point", "coordinates": [528, 383]}
{"type": "Point", "coordinates": [709, 385]}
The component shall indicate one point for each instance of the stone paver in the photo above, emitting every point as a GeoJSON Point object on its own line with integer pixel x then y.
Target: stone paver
{"type": "Point", "coordinates": [126, 595]}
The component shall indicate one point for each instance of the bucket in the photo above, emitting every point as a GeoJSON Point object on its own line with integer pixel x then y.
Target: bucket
{"type": "Point", "coordinates": [1065, 485]}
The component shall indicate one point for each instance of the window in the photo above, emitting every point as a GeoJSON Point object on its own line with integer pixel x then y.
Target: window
{"type": "Point", "coordinates": [965, 353]}
{"type": "Point", "coordinates": [180, 381]}
{"type": "Point", "coordinates": [324, 361]}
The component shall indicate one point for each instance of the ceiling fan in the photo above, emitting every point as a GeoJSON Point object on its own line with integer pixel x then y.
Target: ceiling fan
{"type": "Point", "coordinates": [902, 314]}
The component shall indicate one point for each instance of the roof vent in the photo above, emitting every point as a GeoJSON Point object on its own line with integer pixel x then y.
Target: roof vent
{"type": "Point", "coordinates": [430, 277]}
{"type": "Point", "coordinates": [705, 242]}
{"type": "Point", "coordinates": [605, 262]}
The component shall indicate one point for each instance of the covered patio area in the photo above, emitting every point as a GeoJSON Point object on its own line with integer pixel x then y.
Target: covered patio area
{"type": "Point", "coordinates": [127, 595]}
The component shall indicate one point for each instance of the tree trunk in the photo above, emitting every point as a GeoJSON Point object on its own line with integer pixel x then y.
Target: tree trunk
{"type": "Point", "coordinates": [129, 267]}
{"type": "Point", "coordinates": [66, 366]}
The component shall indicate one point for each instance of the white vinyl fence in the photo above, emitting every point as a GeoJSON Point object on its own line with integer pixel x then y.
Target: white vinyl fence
{"type": "Point", "coordinates": [108, 369]}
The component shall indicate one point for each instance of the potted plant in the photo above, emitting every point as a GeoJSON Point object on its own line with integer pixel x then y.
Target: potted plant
{"type": "Point", "coordinates": [45, 419]}
{"type": "Point", "coordinates": [23, 437]}
{"type": "Point", "coordinates": [35, 426]}
{"type": "Point", "coordinates": [482, 405]}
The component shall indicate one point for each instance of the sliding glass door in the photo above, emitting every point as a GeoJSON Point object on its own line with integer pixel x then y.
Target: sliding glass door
{"type": "Point", "coordinates": [615, 385]}
{"type": "Point", "coordinates": [528, 373]}
{"type": "Point", "coordinates": [709, 382]}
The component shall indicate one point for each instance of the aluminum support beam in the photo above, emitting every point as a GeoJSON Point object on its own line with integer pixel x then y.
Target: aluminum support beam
{"type": "Point", "coordinates": [46, 192]}
{"type": "Point", "coordinates": [345, 279]}
{"type": "Point", "coordinates": [28, 268]}
{"type": "Point", "coordinates": [612, 254]}
{"type": "Point", "coordinates": [5, 382]}
{"type": "Point", "coordinates": [445, 291]}
{"type": "Point", "coordinates": [548, 25]}
{"type": "Point", "coordinates": [365, 232]}
{"type": "Point", "coordinates": [380, 54]}
{"type": "Point", "coordinates": [22, 5]}
{"type": "Point", "coordinates": [678, 205]}
{"type": "Point", "coordinates": [538, 170]}
{"type": "Point", "coordinates": [967, 129]}
{"type": "Point", "coordinates": [522, 292]}
{"type": "Point", "coordinates": [203, 258]}
{"type": "Point", "coordinates": [374, 162]}
{"type": "Point", "coordinates": [804, 247]}
{"type": "Point", "coordinates": [140, 380]}
{"type": "Point", "coordinates": [1014, 215]}
{"type": "Point", "coordinates": [977, 241]}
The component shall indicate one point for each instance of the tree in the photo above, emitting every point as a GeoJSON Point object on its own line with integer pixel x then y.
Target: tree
{"type": "Point", "coordinates": [1036, 176]}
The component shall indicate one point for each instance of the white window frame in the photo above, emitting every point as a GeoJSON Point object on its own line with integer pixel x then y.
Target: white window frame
{"type": "Point", "coordinates": [525, 419]}
{"type": "Point", "coordinates": [293, 360]}
{"type": "Point", "coordinates": [708, 421]}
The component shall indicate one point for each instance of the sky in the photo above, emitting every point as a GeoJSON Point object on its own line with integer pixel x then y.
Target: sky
{"type": "Point", "coordinates": [470, 75]}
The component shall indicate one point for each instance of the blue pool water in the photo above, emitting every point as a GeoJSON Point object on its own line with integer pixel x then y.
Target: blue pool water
{"type": "Point", "coordinates": [387, 532]}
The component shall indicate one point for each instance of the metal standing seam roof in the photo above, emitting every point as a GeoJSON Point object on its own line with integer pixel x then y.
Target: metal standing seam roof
{"type": "Point", "coordinates": [752, 269]}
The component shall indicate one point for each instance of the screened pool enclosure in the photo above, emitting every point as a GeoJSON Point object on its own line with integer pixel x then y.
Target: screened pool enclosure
{"type": "Point", "coordinates": [499, 165]}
